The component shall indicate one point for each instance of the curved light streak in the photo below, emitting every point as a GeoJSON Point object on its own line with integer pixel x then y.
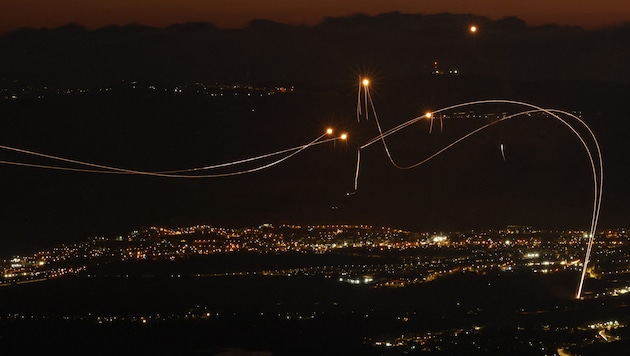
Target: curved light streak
{"type": "Point", "coordinates": [597, 168]}
{"type": "Point", "coordinates": [165, 174]}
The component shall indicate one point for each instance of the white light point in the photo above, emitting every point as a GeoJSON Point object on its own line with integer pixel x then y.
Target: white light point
{"type": "Point", "coordinates": [428, 115]}
{"type": "Point", "coordinates": [329, 131]}
{"type": "Point", "coordinates": [365, 82]}
{"type": "Point", "coordinates": [344, 136]}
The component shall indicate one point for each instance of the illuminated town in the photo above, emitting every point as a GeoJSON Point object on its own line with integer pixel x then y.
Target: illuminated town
{"type": "Point", "coordinates": [358, 256]}
{"type": "Point", "coordinates": [12, 91]}
{"type": "Point", "coordinates": [421, 256]}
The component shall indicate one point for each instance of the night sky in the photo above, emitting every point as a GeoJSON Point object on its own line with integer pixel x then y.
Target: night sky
{"type": "Point", "coordinates": [230, 14]}
{"type": "Point", "coordinates": [544, 182]}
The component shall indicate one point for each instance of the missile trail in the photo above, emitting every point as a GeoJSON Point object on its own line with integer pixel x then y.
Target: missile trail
{"type": "Point", "coordinates": [356, 175]}
{"type": "Point", "coordinates": [104, 169]}
{"type": "Point", "coordinates": [359, 101]}
{"type": "Point", "coordinates": [596, 162]}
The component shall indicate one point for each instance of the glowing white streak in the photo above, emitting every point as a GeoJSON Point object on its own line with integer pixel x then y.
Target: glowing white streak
{"type": "Point", "coordinates": [380, 131]}
{"type": "Point", "coordinates": [366, 94]}
{"type": "Point", "coordinates": [359, 101]}
{"type": "Point", "coordinates": [437, 153]}
{"type": "Point", "coordinates": [246, 160]}
{"type": "Point", "coordinates": [550, 112]}
{"type": "Point", "coordinates": [597, 205]}
{"type": "Point", "coordinates": [58, 168]}
{"type": "Point", "coordinates": [356, 175]}
{"type": "Point", "coordinates": [116, 170]}
{"type": "Point", "coordinates": [394, 130]}
{"type": "Point", "coordinates": [441, 124]}
{"type": "Point", "coordinates": [502, 152]}
{"type": "Point", "coordinates": [597, 183]}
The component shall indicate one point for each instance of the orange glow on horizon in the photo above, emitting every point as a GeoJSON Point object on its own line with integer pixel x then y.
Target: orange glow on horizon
{"type": "Point", "coordinates": [230, 14]}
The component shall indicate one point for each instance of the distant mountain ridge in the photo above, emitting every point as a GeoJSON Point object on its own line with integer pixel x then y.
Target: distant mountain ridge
{"type": "Point", "coordinates": [394, 44]}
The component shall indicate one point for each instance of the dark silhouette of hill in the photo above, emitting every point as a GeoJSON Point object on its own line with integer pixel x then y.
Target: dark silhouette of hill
{"type": "Point", "coordinates": [393, 43]}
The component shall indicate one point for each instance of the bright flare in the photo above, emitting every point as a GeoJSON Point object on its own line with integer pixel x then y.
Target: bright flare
{"type": "Point", "coordinates": [329, 131]}
{"type": "Point", "coordinates": [344, 136]}
{"type": "Point", "coordinates": [473, 29]}
{"type": "Point", "coordinates": [428, 115]}
{"type": "Point", "coordinates": [365, 82]}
